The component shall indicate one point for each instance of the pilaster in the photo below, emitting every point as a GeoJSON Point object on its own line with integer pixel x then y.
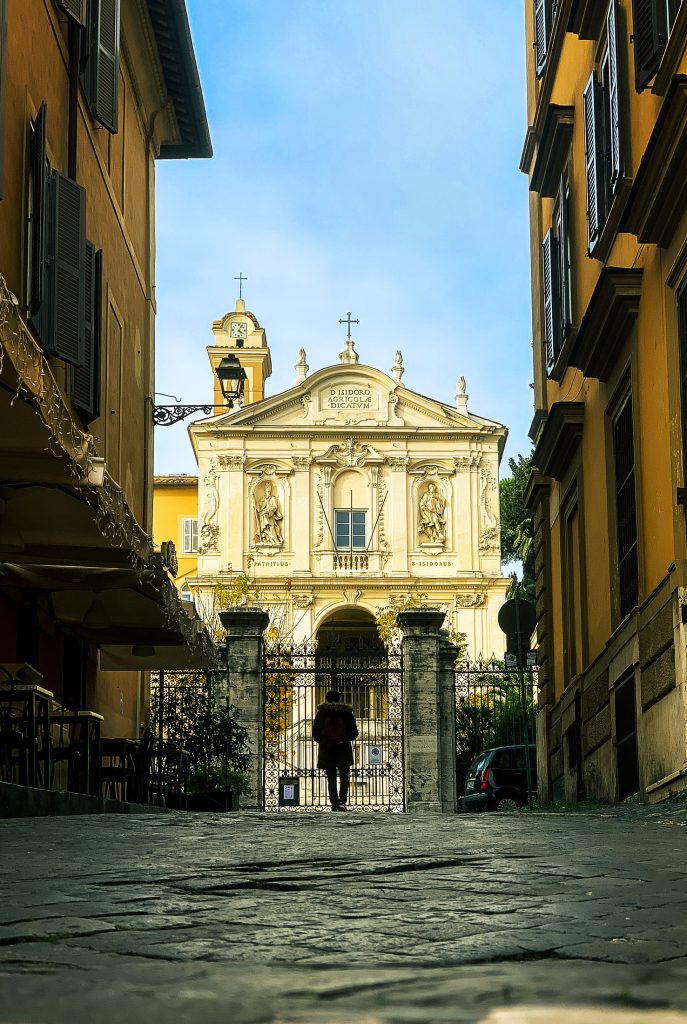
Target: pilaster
{"type": "Point", "coordinates": [428, 746]}
{"type": "Point", "coordinates": [244, 643]}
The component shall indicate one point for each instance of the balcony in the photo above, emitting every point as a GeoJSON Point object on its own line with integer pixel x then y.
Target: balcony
{"type": "Point", "coordinates": [351, 561]}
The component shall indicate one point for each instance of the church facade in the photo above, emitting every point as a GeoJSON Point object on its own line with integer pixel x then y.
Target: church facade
{"type": "Point", "coordinates": [347, 495]}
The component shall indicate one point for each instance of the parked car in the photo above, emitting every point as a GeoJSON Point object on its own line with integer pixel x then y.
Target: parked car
{"type": "Point", "coordinates": [497, 779]}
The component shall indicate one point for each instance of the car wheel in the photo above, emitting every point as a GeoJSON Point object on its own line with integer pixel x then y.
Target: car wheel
{"type": "Point", "coordinates": [506, 803]}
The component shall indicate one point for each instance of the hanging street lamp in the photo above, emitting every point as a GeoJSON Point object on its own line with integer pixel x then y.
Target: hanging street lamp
{"type": "Point", "coordinates": [232, 380]}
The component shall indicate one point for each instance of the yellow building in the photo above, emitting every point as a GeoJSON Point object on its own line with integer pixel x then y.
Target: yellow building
{"type": "Point", "coordinates": [606, 158]}
{"type": "Point", "coordinates": [91, 95]}
{"type": "Point", "coordinates": [175, 518]}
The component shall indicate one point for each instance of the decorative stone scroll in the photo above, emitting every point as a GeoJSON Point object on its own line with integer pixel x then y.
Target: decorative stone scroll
{"type": "Point", "coordinates": [209, 528]}
{"type": "Point", "coordinates": [489, 524]}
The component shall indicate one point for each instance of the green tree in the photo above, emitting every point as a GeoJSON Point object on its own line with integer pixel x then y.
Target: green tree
{"type": "Point", "coordinates": [517, 528]}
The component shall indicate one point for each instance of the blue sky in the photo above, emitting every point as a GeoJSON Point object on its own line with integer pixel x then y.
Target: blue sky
{"type": "Point", "coordinates": [366, 158]}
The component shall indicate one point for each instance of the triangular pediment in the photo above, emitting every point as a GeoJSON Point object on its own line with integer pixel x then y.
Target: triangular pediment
{"type": "Point", "coordinates": [347, 396]}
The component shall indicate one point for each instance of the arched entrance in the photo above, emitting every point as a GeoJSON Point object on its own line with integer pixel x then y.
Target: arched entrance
{"type": "Point", "coordinates": [348, 656]}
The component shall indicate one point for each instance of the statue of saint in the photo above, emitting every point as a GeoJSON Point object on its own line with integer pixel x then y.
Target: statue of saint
{"type": "Point", "coordinates": [433, 515]}
{"type": "Point", "coordinates": [268, 516]}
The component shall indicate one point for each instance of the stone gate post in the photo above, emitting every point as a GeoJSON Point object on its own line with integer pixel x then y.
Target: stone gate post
{"type": "Point", "coordinates": [244, 628]}
{"type": "Point", "coordinates": [429, 713]}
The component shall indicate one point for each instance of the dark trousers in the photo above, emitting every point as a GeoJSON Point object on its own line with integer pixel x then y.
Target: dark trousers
{"type": "Point", "coordinates": [339, 796]}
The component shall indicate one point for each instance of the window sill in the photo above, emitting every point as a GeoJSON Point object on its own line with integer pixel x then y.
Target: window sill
{"type": "Point", "coordinates": [612, 226]}
{"type": "Point", "coordinates": [562, 361]}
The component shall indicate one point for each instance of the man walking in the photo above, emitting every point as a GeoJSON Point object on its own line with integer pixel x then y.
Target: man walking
{"type": "Point", "coordinates": [333, 730]}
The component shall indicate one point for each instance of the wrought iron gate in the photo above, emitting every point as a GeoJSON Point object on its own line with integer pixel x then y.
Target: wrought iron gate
{"type": "Point", "coordinates": [489, 710]}
{"type": "Point", "coordinates": [295, 681]}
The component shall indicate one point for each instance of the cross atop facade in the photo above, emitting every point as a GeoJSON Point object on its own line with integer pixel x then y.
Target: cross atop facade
{"type": "Point", "coordinates": [240, 280]}
{"type": "Point", "coordinates": [347, 320]}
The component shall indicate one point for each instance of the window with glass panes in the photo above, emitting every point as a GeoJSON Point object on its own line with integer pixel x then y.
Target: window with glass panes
{"type": "Point", "coordinates": [350, 528]}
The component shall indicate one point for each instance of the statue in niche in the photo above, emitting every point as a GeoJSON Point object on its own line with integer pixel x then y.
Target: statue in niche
{"type": "Point", "coordinates": [268, 518]}
{"type": "Point", "coordinates": [433, 515]}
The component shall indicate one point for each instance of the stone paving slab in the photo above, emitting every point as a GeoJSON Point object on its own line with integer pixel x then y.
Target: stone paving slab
{"type": "Point", "coordinates": [323, 919]}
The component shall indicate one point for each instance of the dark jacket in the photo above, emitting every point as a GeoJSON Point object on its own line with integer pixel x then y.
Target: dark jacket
{"type": "Point", "coordinates": [339, 755]}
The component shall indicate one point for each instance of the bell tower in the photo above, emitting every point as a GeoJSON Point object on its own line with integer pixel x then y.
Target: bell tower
{"type": "Point", "coordinates": [240, 334]}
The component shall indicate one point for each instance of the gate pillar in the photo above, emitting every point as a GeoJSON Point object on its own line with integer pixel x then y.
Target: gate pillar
{"type": "Point", "coordinates": [429, 713]}
{"type": "Point", "coordinates": [244, 628]}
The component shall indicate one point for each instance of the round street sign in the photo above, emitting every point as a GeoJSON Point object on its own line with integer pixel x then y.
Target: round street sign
{"type": "Point", "coordinates": [508, 619]}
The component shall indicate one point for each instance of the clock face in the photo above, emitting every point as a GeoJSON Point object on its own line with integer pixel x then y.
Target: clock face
{"type": "Point", "coordinates": [239, 330]}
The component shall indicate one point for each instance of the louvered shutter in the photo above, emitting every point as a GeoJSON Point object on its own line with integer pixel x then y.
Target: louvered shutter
{"type": "Point", "coordinates": [76, 9]}
{"type": "Point", "coordinates": [101, 81]}
{"type": "Point", "coordinates": [39, 174]}
{"type": "Point", "coordinates": [650, 31]}
{"type": "Point", "coordinates": [544, 12]}
{"type": "Point", "coordinates": [194, 535]}
{"type": "Point", "coordinates": [66, 338]}
{"type": "Point", "coordinates": [86, 378]}
{"type": "Point", "coordinates": [594, 166]}
{"type": "Point", "coordinates": [539, 35]}
{"type": "Point", "coordinates": [3, 69]}
{"type": "Point", "coordinates": [615, 155]}
{"type": "Point", "coordinates": [552, 304]}
{"type": "Point", "coordinates": [564, 254]}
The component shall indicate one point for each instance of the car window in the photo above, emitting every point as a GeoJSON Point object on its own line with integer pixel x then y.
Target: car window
{"type": "Point", "coordinates": [501, 759]}
{"type": "Point", "coordinates": [519, 757]}
{"type": "Point", "coordinates": [477, 764]}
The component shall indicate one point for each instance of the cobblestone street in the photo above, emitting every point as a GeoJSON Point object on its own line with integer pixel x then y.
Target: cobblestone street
{"type": "Point", "coordinates": [369, 918]}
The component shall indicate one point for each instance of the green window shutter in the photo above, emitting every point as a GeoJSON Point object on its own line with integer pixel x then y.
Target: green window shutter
{"type": "Point", "coordinates": [650, 32]}
{"type": "Point", "coordinates": [544, 13]}
{"type": "Point", "coordinates": [101, 75]}
{"type": "Point", "coordinates": [38, 211]}
{"type": "Point", "coordinates": [594, 162]}
{"type": "Point", "coordinates": [86, 378]}
{"type": "Point", "coordinates": [76, 9]}
{"type": "Point", "coordinates": [3, 70]}
{"type": "Point", "coordinates": [563, 228]}
{"type": "Point", "coordinates": [615, 154]}
{"type": "Point", "coordinates": [66, 336]}
{"type": "Point", "coordinates": [552, 297]}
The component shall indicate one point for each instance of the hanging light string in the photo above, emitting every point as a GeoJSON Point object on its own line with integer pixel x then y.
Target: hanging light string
{"type": "Point", "coordinates": [76, 449]}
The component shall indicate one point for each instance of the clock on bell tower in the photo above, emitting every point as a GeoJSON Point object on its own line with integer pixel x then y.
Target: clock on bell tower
{"type": "Point", "coordinates": [240, 333]}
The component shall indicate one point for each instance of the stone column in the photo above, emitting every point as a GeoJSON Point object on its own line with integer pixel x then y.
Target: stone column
{"type": "Point", "coordinates": [430, 768]}
{"type": "Point", "coordinates": [447, 725]}
{"type": "Point", "coordinates": [244, 628]}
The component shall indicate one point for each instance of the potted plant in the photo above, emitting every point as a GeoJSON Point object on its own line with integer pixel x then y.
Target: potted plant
{"type": "Point", "coordinates": [216, 785]}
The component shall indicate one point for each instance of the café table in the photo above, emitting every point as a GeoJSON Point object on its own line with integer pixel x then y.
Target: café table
{"type": "Point", "coordinates": [25, 708]}
{"type": "Point", "coordinates": [120, 770]}
{"type": "Point", "coordinates": [172, 771]}
{"type": "Point", "coordinates": [83, 734]}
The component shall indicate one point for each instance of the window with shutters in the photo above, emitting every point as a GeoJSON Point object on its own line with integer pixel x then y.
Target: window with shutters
{"type": "Point", "coordinates": [85, 379]}
{"type": "Point", "coordinates": [66, 270]}
{"type": "Point", "coordinates": [682, 341]}
{"type": "Point", "coordinates": [100, 61]}
{"type": "Point", "coordinates": [189, 536]}
{"type": "Point", "coordinates": [625, 506]}
{"type": "Point", "coordinates": [544, 15]}
{"type": "Point", "coordinates": [603, 139]}
{"type": "Point", "coordinates": [652, 23]}
{"type": "Point", "coordinates": [36, 223]}
{"type": "Point", "coordinates": [556, 276]}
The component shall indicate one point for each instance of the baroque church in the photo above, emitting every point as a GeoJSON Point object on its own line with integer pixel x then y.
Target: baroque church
{"type": "Point", "coordinates": [347, 495]}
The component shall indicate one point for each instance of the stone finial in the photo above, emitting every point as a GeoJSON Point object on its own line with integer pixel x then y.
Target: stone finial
{"type": "Point", "coordinates": [398, 369]}
{"type": "Point", "coordinates": [301, 367]}
{"type": "Point", "coordinates": [461, 395]}
{"type": "Point", "coordinates": [349, 354]}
